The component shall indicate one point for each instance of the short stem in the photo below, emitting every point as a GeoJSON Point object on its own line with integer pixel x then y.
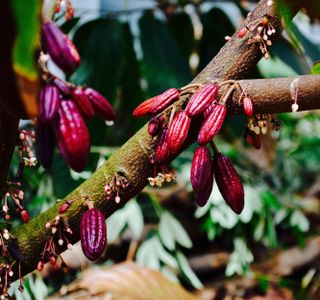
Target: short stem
{"type": "Point", "coordinates": [214, 147]}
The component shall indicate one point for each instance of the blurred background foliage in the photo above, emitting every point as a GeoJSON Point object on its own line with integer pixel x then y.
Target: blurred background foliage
{"type": "Point", "coordinates": [132, 50]}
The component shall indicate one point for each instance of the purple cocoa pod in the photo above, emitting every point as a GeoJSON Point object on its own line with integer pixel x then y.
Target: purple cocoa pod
{"type": "Point", "coordinates": [202, 196]}
{"type": "Point", "coordinates": [72, 135]}
{"type": "Point", "coordinates": [63, 86]}
{"type": "Point", "coordinates": [100, 104]}
{"type": "Point", "coordinates": [229, 182]}
{"type": "Point", "coordinates": [49, 102]}
{"type": "Point", "coordinates": [93, 233]}
{"type": "Point", "coordinates": [45, 143]}
{"type": "Point", "coordinates": [60, 48]}
{"type": "Point", "coordinates": [83, 103]}
{"type": "Point", "coordinates": [201, 99]}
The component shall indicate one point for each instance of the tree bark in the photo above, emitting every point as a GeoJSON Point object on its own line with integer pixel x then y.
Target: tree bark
{"type": "Point", "coordinates": [235, 60]}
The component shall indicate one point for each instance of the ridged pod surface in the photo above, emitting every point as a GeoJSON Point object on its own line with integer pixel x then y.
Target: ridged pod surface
{"type": "Point", "coordinates": [201, 175]}
{"type": "Point", "coordinates": [45, 143]}
{"type": "Point", "coordinates": [229, 182]}
{"type": "Point", "coordinates": [49, 102]}
{"type": "Point", "coordinates": [157, 103]}
{"type": "Point", "coordinates": [93, 233]}
{"type": "Point", "coordinates": [72, 135]}
{"type": "Point", "coordinates": [212, 124]}
{"type": "Point", "coordinates": [201, 99]}
{"type": "Point", "coordinates": [83, 103]}
{"type": "Point", "coordinates": [162, 152]}
{"type": "Point", "coordinates": [60, 48]}
{"type": "Point", "coordinates": [100, 104]}
{"type": "Point", "coordinates": [178, 131]}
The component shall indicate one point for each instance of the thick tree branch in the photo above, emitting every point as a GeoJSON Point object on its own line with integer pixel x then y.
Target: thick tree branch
{"type": "Point", "coordinates": [235, 60]}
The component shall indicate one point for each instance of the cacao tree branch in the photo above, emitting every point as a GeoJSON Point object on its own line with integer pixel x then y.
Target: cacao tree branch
{"type": "Point", "coordinates": [235, 60]}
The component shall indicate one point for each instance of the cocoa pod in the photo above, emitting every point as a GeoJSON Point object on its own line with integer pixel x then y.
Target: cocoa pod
{"type": "Point", "coordinates": [178, 131]}
{"type": "Point", "coordinates": [60, 48]}
{"type": "Point", "coordinates": [49, 102]}
{"type": "Point", "coordinates": [201, 99]}
{"type": "Point", "coordinates": [93, 233]}
{"type": "Point", "coordinates": [83, 103]}
{"type": "Point", "coordinates": [201, 175]}
{"type": "Point", "coordinates": [63, 86]}
{"type": "Point", "coordinates": [229, 182]}
{"type": "Point", "coordinates": [157, 103]}
{"type": "Point", "coordinates": [154, 125]}
{"type": "Point", "coordinates": [212, 124]}
{"type": "Point", "coordinates": [100, 104]}
{"type": "Point", "coordinates": [72, 135]}
{"type": "Point", "coordinates": [162, 152]}
{"type": "Point", "coordinates": [45, 143]}
{"type": "Point", "coordinates": [208, 110]}
{"type": "Point", "coordinates": [253, 139]}
{"type": "Point", "coordinates": [247, 106]}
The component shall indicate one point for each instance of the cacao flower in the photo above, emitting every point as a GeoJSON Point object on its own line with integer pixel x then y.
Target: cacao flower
{"type": "Point", "coordinates": [49, 102]}
{"type": "Point", "coordinates": [83, 103]}
{"type": "Point", "coordinates": [247, 106]}
{"type": "Point", "coordinates": [60, 48]}
{"type": "Point", "coordinates": [162, 152]}
{"type": "Point", "coordinates": [93, 233]}
{"type": "Point", "coordinates": [212, 124]}
{"type": "Point", "coordinates": [45, 143]}
{"type": "Point", "coordinates": [229, 182]}
{"type": "Point", "coordinates": [201, 175]}
{"type": "Point", "coordinates": [156, 104]}
{"type": "Point", "coordinates": [201, 99]}
{"type": "Point", "coordinates": [100, 104]}
{"type": "Point", "coordinates": [178, 131]}
{"type": "Point", "coordinates": [72, 135]}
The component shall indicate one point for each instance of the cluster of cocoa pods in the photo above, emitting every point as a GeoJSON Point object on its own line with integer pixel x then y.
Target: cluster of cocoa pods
{"type": "Point", "coordinates": [93, 233]}
{"type": "Point", "coordinates": [172, 135]}
{"type": "Point", "coordinates": [63, 105]}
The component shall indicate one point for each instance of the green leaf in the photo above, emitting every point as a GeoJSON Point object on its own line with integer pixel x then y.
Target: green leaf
{"type": "Point", "coordinates": [134, 218]}
{"type": "Point", "coordinates": [165, 233]}
{"type": "Point", "coordinates": [163, 65]}
{"type": "Point", "coordinates": [315, 69]}
{"type": "Point", "coordinates": [270, 200]}
{"type": "Point", "coordinates": [147, 256]}
{"type": "Point", "coordinates": [299, 220]}
{"type": "Point", "coordinates": [115, 225]}
{"type": "Point", "coordinates": [187, 271]}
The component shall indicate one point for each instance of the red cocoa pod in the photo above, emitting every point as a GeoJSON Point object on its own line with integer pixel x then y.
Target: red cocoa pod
{"type": "Point", "coordinates": [60, 48]}
{"type": "Point", "coordinates": [162, 152]}
{"type": "Point", "coordinates": [100, 104]}
{"type": "Point", "coordinates": [157, 103]}
{"type": "Point", "coordinates": [63, 208]}
{"type": "Point", "coordinates": [201, 99]}
{"type": "Point", "coordinates": [229, 182]}
{"type": "Point", "coordinates": [256, 141]}
{"type": "Point", "coordinates": [178, 131]}
{"type": "Point", "coordinates": [45, 143]}
{"type": "Point", "coordinates": [83, 102]}
{"type": "Point", "coordinates": [72, 135]}
{"type": "Point", "coordinates": [242, 32]}
{"type": "Point", "coordinates": [201, 175]}
{"type": "Point", "coordinates": [202, 196]}
{"type": "Point", "coordinates": [247, 106]}
{"type": "Point", "coordinates": [212, 125]}
{"type": "Point", "coordinates": [62, 86]}
{"type": "Point", "coordinates": [49, 102]}
{"type": "Point", "coordinates": [154, 126]}
{"type": "Point", "coordinates": [24, 216]}
{"type": "Point", "coordinates": [208, 110]}
{"type": "Point", "coordinates": [93, 233]}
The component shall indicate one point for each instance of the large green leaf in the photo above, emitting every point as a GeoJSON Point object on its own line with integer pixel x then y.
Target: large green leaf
{"type": "Point", "coordinates": [163, 64]}
{"type": "Point", "coordinates": [216, 25]}
{"type": "Point", "coordinates": [181, 28]}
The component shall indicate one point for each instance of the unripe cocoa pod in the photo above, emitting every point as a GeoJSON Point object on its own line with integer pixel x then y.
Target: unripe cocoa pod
{"type": "Point", "coordinates": [93, 233]}
{"type": "Point", "coordinates": [178, 131]}
{"type": "Point", "coordinates": [83, 103]}
{"type": "Point", "coordinates": [229, 182]}
{"type": "Point", "coordinates": [247, 106]}
{"type": "Point", "coordinates": [154, 126]}
{"type": "Point", "coordinates": [100, 104]}
{"type": "Point", "coordinates": [208, 110]}
{"type": "Point", "coordinates": [72, 135]}
{"type": "Point", "coordinates": [63, 86]}
{"type": "Point", "coordinates": [45, 143]}
{"type": "Point", "coordinates": [212, 124]}
{"type": "Point", "coordinates": [162, 152]}
{"type": "Point", "coordinates": [156, 104]}
{"type": "Point", "coordinates": [60, 48]}
{"type": "Point", "coordinates": [201, 175]}
{"type": "Point", "coordinates": [49, 102]}
{"type": "Point", "coordinates": [201, 99]}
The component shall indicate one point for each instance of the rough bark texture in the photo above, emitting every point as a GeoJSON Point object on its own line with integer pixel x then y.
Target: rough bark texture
{"type": "Point", "coordinates": [235, 60]}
